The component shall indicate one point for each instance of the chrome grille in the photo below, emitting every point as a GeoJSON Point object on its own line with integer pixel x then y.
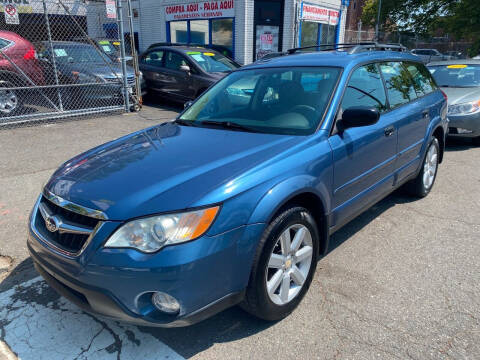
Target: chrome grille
{"type": "Point", "coordinates": [66, 230]}
{"type": "Point", "coordinates": [119, 80]}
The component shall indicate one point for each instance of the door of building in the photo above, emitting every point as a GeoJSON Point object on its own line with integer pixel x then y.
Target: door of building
{"type": "Point", "coordinates": [268, 27]}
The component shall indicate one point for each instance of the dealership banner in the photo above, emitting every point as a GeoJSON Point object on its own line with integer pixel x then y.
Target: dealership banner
{"type": "Point", "coordinates": [320, 14]}
{"type": "Point", "coordinates": [200, 10]}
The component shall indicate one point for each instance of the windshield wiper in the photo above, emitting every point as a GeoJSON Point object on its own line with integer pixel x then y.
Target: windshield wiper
{"type": "Point", "coordinates": [229, 125]}
{"type": "Point", "coordinates": [183, 122]}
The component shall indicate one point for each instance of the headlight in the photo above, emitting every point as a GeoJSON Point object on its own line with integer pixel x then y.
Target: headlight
{"type": "Point", "coordinates": [463, 109]}
{"type": "Point", "coordinates": [152, 233]}
{"type": "Point", "coordinates": [85, 79]}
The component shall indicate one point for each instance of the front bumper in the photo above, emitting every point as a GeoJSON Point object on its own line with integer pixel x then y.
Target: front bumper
{"type": "Point", "coordinates": [206, 275]}
{"type": "Point", "coordinates": [464, 126]}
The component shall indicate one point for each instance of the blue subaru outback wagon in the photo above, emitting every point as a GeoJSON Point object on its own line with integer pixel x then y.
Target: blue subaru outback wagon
{"type": "Point", "coordinates": [234, 201]}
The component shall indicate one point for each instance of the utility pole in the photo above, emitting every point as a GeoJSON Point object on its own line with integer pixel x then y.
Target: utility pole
{"type": "Point", "coordinates": [378, 19]}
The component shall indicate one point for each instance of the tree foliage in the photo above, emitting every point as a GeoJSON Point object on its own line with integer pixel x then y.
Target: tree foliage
{"type": "Point", "coordinates": [460, 18]}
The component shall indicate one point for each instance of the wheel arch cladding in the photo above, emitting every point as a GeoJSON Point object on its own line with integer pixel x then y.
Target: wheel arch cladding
{"type": "Point", "coordinates": [300, 192]}
{"type": "Point", "coordinates": [440, 135]}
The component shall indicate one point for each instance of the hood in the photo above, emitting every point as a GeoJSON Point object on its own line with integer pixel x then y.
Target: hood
{"type": "Point", "coordinates": [165, 168]}
{"type": "Point", "coordinates": [461, 95]}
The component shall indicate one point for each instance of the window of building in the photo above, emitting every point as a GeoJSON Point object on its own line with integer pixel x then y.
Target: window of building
{"type": "Point", "coordinates": [399, 83]}
{"type": "Point", "coordinates": [313, 33]}
{"type": "Point", "coordinates": [199, 32]}
{"type": "Point", "coordinates": [215, 33]}
{"type": "Point", "coordinates": [309, 33]}
{"type": "Point", "coordinates": [222, 33]}
{"type": "Point", "coordinates": [179, 32]}
{"type": "Point", "coordinates": [365, 88]}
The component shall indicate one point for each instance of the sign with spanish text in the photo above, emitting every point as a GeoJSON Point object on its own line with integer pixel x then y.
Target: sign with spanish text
{"type": "Point", "coordinates": [11, 15]}
{"type": "Point", "coordinates": [200, 10]}
{"type": "Point", "coordinates": [111, 9]}
{"type": "Point", "coordinates": [320, 14]}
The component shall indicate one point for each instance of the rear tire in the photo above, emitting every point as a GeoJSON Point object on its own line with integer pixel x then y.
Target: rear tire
{"type": "Point", "coordinates": [10, 100]}
{"type": "Point", "coordinates": [423, 183]}
{"type": "Point", "coordinates": [284, 265]}
{"type": "Point", "coordinates": [476, 141]}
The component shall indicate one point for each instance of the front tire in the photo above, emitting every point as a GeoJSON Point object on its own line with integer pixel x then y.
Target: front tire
{"type": "Point", "coordinates": [284, 265]}
{"type": "Point", "coordinates": [423, 183]}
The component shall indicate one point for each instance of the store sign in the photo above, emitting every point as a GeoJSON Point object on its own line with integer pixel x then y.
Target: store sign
{"type": "Point", "coordinates": [111, 9]}
{"type": "Point", "coordinates": [200, 10]}
{"type": "Point", "coordinates": [320, 14]}
{"type": "Point", "coordinates": [11, 15]}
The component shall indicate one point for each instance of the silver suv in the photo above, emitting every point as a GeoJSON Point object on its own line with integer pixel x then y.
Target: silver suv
{"type": "Point", "coordinates": [428, 55]}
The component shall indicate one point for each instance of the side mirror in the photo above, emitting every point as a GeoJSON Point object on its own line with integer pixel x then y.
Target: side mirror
{"type": "Point", "coordinates": [185, 68]}
{"type": "Point", "coordinates": [357, 116]}
{"type": "Point", "coordinates": [187, 104]}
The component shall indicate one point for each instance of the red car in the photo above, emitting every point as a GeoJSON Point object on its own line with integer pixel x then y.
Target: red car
{"type": "Point", "coordinates": [18, 67]}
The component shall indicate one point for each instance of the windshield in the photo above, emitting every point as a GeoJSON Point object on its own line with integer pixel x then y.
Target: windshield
{"type": "Point", "coordinates": [78, 54]}
{"type": "Point", "coordinates": [276, 100]}
{"type": "Point", "coordinates": [212, 62]}
{"type": "Point", "coordinates": [107, 47]}
{"type": "Point", "coordinates": [456, 75]}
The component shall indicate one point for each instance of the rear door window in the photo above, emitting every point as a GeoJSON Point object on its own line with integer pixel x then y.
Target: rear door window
{"type": "Point", "coordinates": [422, 79]}
{"type": "Point", "coordinates": [399, 83]}
{"type": "Point", "coordinates": [365, 88]}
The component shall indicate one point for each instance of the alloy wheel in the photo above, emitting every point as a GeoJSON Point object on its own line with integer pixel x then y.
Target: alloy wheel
{"type": "Point", "coordinates": [8, 101]}
{"type": "Point", "coordinates": [289, 264]}
{"type": "Point", "coordinates": [430, 166]}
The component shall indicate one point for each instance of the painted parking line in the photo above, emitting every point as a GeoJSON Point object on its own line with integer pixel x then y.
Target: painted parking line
{"type": "Point", "coordinates": [36, 323]}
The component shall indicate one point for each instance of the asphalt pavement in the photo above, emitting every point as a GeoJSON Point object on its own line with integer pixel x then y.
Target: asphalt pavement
{"type": "Point", "coordinates": [401, 281]}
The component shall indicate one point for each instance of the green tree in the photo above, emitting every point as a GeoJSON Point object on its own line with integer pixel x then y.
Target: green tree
{"type": "Point", "coordinates": [460, 18]}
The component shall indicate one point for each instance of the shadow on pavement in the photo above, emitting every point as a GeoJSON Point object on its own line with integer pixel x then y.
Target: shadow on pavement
{"type": "Point", "coordinates": [459, 144]}
{"type": "Point", "coordinates": [37, 307]}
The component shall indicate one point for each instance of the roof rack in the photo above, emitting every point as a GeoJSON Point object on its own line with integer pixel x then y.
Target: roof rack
{"type": "Point", "coordinates": [354, 47]}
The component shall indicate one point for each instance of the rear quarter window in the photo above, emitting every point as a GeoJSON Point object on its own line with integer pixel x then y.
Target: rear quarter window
{"type": "Point", "coordinates": [422, 79]}
{"type": "Point", "coordinates": [399, 83]}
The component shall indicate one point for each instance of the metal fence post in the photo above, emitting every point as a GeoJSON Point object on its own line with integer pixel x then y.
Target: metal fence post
{"type": "Point", "coordinates": [54, 63]}
{"type": "Point", "coordinates": [134, 54]}
{"type": "Point", "coordinates": [126, 93]}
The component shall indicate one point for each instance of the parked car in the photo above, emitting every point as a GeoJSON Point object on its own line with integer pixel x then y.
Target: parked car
{"type": "Point", "coordinates": [235, 200]}
{"type": "Point", "coordinates": [77, 63]}
{"type": "Point", "coordinates": [18, 68]}
{"type": "Point", "coordinates": [111, 48]}
{"type": "Point", "coordinates": [222, 49]}
{"type": "Point", "coordinates": [182, 73]}
{"type": "Point", "coordinates": [460, 80]}
{"type": "Point", "coordinates": [428, 55]}
{"type": "Point", "coordinates": [452, 55]}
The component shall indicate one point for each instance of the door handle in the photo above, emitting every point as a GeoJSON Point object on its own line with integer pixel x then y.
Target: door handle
{"type": "Point", "coordinates": [425, 114]}
{"type": "Point", "coordinates": [389, 131]}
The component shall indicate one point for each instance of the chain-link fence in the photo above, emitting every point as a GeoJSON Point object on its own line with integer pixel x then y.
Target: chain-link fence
{"type": "Point", "coordinates": [427, 48]}
{"type": "Point", "coordinates": [62, 58]}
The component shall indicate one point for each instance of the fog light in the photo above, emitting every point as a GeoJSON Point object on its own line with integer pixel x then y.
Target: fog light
{"type": "Point", "coordinates": [165, 303]}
